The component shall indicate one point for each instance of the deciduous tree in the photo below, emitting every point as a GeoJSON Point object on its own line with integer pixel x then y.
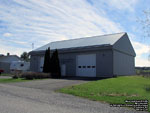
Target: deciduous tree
{"type": "Point", "coordinates": [25, 56]}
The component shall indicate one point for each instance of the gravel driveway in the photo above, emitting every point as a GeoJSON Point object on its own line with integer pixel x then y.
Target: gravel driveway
{"type": "Point", "coordinates": [39, 97]}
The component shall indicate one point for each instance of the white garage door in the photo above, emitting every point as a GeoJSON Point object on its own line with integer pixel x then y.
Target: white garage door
{"type": "Point", "coordinates": [86, 65]}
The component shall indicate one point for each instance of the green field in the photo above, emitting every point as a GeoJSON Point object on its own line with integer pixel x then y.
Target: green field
{"type": "Point", "coordinates": [113, 90]}
{"type": "Point", "coordinates": [10, 80]}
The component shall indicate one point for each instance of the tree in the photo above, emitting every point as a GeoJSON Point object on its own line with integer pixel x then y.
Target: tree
{"type": "Point", "coordinates": [55, 65]}
{"type": "Point", "coordinates": [47, 62]}
{"type": "Point", "coordinates": [25, 56]}
{"type": "Point", "coordinates": [144, 21]}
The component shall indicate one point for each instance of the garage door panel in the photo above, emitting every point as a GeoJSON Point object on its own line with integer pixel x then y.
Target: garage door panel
{"type": "Point", "coordinates": [86, 65]}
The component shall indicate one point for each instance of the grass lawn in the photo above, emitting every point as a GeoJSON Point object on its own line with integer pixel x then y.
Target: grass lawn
{"type": "Point", "coordinates": [5, 74]}
{"type": "Point", "coordinates": [10, 80]}
{"type": "Point", "coordinates": [113, 90]}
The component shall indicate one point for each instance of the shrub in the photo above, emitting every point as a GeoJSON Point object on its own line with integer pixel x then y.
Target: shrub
{"type": "Point", "coordinates": [16, 73]}
{"type": "Point", "coordinates": [55, 75]}
{"type": "Point", "coordinates": [15, 77]}
{"type": "Point", "coordinates": [35, 75]}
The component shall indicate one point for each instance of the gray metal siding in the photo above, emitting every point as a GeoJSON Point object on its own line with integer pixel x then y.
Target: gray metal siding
{"type": "Point", "coordinates": [104, 63]}
{"type": "Point", "coordinates": [124, 45]}
{"type": "Point", "coordinates": [69, 60]}
{"type": "Point", "coordinates": [115, 57]}
{"type": "Point", "coordinates": [5, 66]}
{"type": "Point", "coordinates": [123, 64]}
{"type": "Point", "coordinates": [34, 63]}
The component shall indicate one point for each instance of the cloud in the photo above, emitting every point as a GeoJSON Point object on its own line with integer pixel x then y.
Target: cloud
{"type": "Point", "coordinates": [4, 49]}
{"type": "Point", "coordinates": [7, 34]}
{"type": "Point", "coordinates": [43, 21]}
{"type": "Point", "coordinates": [123, 4]}
{"type": "Point", "coordinates": [140, 48]}
{"type": "Point", "coordinates": [142, 62]}
{"type": "Point", "coordinates": [127, 5]}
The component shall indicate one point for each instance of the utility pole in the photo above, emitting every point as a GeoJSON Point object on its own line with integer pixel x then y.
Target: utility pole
{"type": "Point", "coordinates": [32, 46]}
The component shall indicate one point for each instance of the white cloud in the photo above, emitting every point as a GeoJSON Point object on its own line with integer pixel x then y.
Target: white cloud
{"type": "Point", "coordinates": [4, 49]}
{"type": "Point", "coordinates": [10, 46]}
{"type": "Point", "coordinates": [123, 4]}
{"type": "Point", "coordinates": [141, 48]}
{"type": "Point", "coordinates": [43, 21]}
{"type": "Point", "coordinates": [142, 62]}
{"type": "Point", "coordinates": [116, 4]}
{"type": "Point", "coordinates": [7, 34]}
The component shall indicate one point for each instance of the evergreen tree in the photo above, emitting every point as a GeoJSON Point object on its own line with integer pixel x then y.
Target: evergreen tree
{"type": "Point", "coordinates": [47, 63]}
{"type": "Point", "coordinates": [52, 63]}
{"type": "Point", "coordinates": [55, 66]}
{"type": "Point", "coordinates": [49, 60]}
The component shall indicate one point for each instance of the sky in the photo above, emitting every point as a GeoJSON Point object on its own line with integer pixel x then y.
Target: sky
{"type": "Point", "coordinates": [27, 22]}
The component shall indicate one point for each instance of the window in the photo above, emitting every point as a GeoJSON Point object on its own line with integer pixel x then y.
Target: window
{"type": "Point", "coordinates": [79, 66]}
{"type": "Point", "coordinates": [93, 66]}
{"type": "Point", "coordinates": [84, 66]}
{"type": "Point", "coordinates": [88, 66]}
{"type": "Point", "coordinates": [21, 65]}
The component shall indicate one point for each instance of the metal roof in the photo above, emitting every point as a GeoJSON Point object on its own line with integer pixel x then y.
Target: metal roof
{"type": "Point", "coordinates": [83, 42]}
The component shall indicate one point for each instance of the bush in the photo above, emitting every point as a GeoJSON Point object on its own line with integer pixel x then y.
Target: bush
{"type": "Point", "coordinates": [16, 73]}
{"type": "Point", "coordinates": [15, 77]}
{"type": "Point", "coordinates": [55, 75]}
{"type": "Point", "coordinates": [35, 75]}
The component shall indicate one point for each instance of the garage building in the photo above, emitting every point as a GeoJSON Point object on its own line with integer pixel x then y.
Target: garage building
{"type": "Point", "coordinates": [97, 56]}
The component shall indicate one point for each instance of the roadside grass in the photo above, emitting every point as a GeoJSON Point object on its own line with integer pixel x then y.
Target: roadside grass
{"type": "Point", "coordinates": [113, 90]}
{"type": "Point", "coordinates": [11, 80]}
{"type": "Point", "coordinates": [5, 74]}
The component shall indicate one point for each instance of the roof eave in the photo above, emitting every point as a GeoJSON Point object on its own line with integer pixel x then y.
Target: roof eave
{"type": "Point", "coordinates": [76, 49]}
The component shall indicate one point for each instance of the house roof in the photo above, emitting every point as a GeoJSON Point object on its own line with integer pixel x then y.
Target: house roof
{"type": "Point", "coordinates": [9, 58]}
{"type": "Point", "coordinates": [109, 39]}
